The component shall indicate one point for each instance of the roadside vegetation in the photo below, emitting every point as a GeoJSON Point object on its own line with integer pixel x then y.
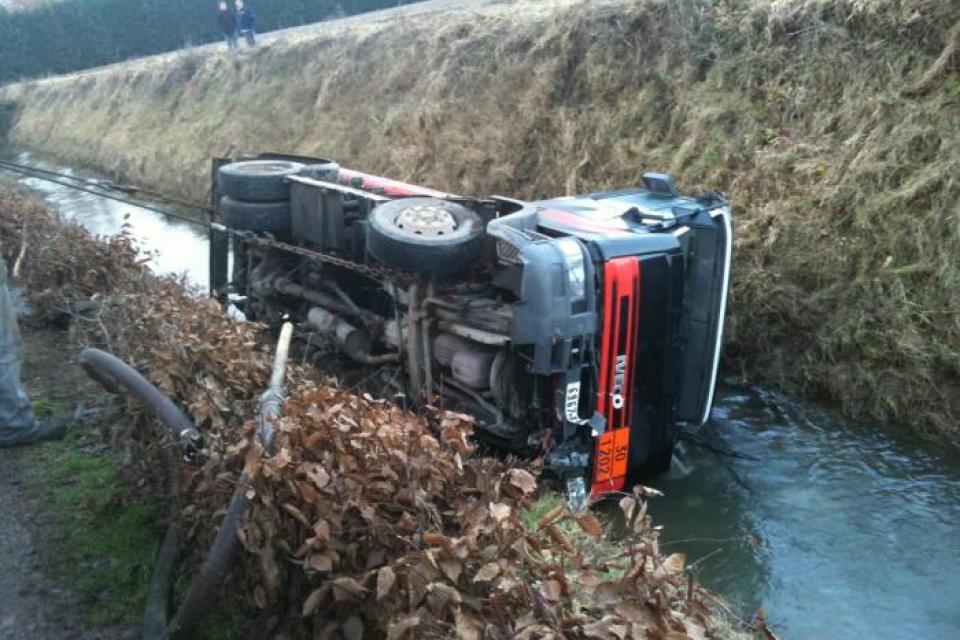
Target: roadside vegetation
{"type": "Point", "coordinates": [96, 520]}
{"type": "Point", "coordinates": [106, 537]}
{"type": "Point", "coordinates": [832, 126]}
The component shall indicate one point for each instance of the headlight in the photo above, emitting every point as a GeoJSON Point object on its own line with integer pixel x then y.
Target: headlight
{"type": "Point", "coordinates": [573, 260]}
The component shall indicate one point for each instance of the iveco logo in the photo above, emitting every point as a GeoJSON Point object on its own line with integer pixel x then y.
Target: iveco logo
{"type": "Point", "coordinates": [618, 374]}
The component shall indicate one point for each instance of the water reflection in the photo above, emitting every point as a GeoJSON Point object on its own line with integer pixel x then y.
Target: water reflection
{"type": "Point", "coordinates": [180, 247]}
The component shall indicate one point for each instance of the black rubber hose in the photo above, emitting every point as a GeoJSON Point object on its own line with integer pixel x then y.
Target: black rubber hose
{"type": "Point", "coordinates": [203, 590]}
{"type": "Point", "coordinates": [113, 373]}
{"type": "Point", "coordinates": [100, 364]}
{"type": "Point", "coordinates": [156, 611]}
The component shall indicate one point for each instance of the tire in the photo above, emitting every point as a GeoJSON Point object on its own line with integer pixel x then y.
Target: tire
{"type": "Point", "coordinates": [270, 217]}
{"type": "Point", "coordinates": [444, 251]}
{"type": "Point", "coordinates": [257, 180]}
{"type": "Point", "coordinates": [327, 171]}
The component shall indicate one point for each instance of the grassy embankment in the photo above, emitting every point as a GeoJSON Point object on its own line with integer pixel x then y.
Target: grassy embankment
{"type": "Point", "coordinates": [833, 126]}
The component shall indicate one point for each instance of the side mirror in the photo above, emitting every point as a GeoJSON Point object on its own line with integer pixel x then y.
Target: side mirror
{"type": "Point", "coordinates": [660, 184]}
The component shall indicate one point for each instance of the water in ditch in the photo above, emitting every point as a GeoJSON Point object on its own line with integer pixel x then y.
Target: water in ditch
{"type": "Point", "coordinates": [838, 530]}
{"type": "Point", "coordinates": [178, 246]}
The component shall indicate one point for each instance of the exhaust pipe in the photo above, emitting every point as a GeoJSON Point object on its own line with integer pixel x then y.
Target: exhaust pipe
{"type": "Point", "coordinates": [351, 341]}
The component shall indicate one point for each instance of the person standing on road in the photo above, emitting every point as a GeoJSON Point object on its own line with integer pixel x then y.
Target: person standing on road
{"type": "Point", "coordinates": [227, 21]}
{"type": "Point", "coordinates": [247, 23]}
{"type": "Point", "coordinates": [18, 426]}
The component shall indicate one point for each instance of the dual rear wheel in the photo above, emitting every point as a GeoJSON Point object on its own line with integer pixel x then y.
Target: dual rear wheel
{"type": "Point", "coordinates": [421, 235]}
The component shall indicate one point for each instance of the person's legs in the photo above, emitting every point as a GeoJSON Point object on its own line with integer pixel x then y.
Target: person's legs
{"type": "Point", "coordinates": [231, 41]}
{"type": "Point", "coordinates": [16, 413]}
{"type": "Point", "coordinates": [251, 37]}
{"type": "Point", "coordinates": [17, 422]}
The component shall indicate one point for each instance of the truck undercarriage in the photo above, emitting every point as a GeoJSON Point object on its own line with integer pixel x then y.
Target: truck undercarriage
{"type": "Point", "coordinates": [583, 329]}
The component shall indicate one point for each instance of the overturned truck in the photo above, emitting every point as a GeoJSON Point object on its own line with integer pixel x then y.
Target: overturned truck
{"type": "Point", "coordinates": [584, 329]}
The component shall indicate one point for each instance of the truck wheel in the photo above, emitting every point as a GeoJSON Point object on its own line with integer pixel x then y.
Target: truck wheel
{"type": "Point", "coordinates": [424, 235]}
{"type": "Point", "coordinates": [257, 180]}
{"type": "Point", "coordinates": [271, 217]}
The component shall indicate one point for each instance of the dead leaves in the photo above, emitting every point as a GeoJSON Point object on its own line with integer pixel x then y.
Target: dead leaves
{"type": "Point", "coordinates": [487, 572]}
{"type": "Point", "coordinates": [522, 481]}
{"type": "Point", "coordinates": [589, 524]}
{"type": "Point", "coordinates": [346, 589]}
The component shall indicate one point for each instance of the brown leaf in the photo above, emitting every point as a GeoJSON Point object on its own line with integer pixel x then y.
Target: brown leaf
{"type": "Point", "coordinates": [434, 539]}
{"type": "Point", "coordinates": [320, 563]}
{"type": "Point", "coordinates": [551, 590]}
{"type": "Point", "coordinates": [346, 589]}
{"type": "Point", "coordinates": [558, 538]}
{"type": "Point", "coordinates": [647, 492]}
{"type": "Point", "coordinates": [385, 581]}
{"type": "Point", "coordinates": [353, 629]}
{"type": "Point", "coordinates": [468, 627]}
{"type": "Point", "coordinates": [589, 524]}
{"type": "Point", "coordinates": [452, 569]}
{"type": "Point", "coordinates": [694, 630]}
{"type": "Point", "coordinates": [673, 564]}
{"type": "Point", "coordinates": [312, 603]}
{"type": "Point", "coordinates": [500, 511]}
{"type": "Point", "coordinates": [607, 593]}
{"type": "Point", "coordinates": [296, 513]}
{"type": "Point", "coordinates": [396, 630]}
{"type": "Point", "coordinates": [522, 480]}
{"type": "Point", "coordinates": [269, 571]}
{"type": "Point", "coordinates": [635, 613]}
{"type": "Point", "coordinates": [322, 530]}
{"type": "Point", "coordinates": [487, 572]}
{"type": "Point", "coordinates": [440, 596]}
{"type": "Point", "coordinates": [316, 473]}
{"type": "Point", "coordinates": [552, 515]}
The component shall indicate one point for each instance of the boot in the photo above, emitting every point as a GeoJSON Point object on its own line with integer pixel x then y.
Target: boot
{"type": "Point", "coordinates": [42, 430]}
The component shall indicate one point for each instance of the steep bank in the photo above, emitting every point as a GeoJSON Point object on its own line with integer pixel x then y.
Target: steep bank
{"type": "Point", "coordinates": [833, 127]}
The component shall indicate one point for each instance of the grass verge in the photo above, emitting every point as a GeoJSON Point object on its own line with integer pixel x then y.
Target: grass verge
{"type": "Point", "coordinates": [106, 537]}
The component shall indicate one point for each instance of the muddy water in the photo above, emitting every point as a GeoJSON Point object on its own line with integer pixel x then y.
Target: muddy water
{"type": "Point", "coordinates": [838, 531]}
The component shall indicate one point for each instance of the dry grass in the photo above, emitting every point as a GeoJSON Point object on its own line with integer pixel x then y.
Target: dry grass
{"type": "Point", "coordinates": [832, 125]}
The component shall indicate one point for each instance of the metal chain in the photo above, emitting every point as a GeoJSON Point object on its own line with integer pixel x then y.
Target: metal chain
{"type": "Point", "coordinates": [376, 273]}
